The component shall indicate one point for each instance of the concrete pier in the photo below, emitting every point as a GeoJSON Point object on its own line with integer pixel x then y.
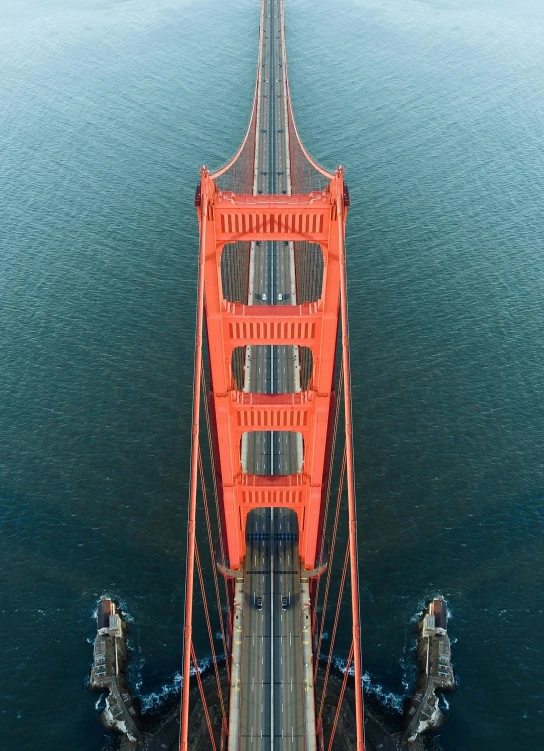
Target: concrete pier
{"type": "Point", "coordinates": [108, 673]}
{"type": "Point", "coordinates": [435, 671]}
{"type": "Point", "coordinates": [383, 728]}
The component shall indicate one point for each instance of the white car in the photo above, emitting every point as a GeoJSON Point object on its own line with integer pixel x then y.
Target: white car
{"type": "Point", "coordinates": [280, 297]}
{"type": "Point", "coordinates": [264, 296]}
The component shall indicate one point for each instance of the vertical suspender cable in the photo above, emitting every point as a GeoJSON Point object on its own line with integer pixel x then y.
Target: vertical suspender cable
{"type": "Point", "coordinates": [341, 698]}
{"type": "Point", "coordinates": [212, 557]}
{"type": "Point", "coordinates": [333, 545]}
{"type": "Point", "coordinates": [210, 633]}
{"type": "Point", "coordinates": [215, 489]}
{"type": "Point", "coordinates": [333, 636]}
{"type": "Point", "coordinates": [329, 480]}
{"type": "Point", "coordinates": [212, 462]}
{"type": "Point", "coordinates": [352, 515]}
{"type": "Point", "coordinates": [325, 521]}
{"type": "Point", "coordinates": [203, 697]}
{"type": "Point", "coordinates": [191, 526]}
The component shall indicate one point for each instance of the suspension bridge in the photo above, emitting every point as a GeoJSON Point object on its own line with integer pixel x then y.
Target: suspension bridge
{"type": "Point", "coordinates": [272, 481]}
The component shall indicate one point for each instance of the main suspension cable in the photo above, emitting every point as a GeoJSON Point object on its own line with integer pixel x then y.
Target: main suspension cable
{"type": "Point", "coordinates": [352, 511]}
{"type": "Point", "coordinates": [191, 525]}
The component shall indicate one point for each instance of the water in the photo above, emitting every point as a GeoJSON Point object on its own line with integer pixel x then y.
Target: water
{"type": "Point", "coordinates": [107, 109]}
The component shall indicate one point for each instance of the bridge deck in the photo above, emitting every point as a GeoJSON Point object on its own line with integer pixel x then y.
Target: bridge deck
{"type": "Point", "coordinates": [272, 693]}
{"type": "Point", "coordinates": [271, 680]}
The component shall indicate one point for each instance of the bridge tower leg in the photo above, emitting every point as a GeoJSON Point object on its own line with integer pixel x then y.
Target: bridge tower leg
{"type": "Point", "coordinates": [225, 218]}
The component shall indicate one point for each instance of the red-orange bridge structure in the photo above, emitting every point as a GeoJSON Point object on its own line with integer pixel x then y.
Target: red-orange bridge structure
{"type": "Point", "coordinates": [272, 380]}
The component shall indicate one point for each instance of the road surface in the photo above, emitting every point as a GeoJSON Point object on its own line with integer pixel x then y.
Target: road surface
{"type": "Point", "coordinates": [272, 699]}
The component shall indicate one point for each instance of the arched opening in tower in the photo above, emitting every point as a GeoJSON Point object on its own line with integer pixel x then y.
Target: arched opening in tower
{"type": "Point", "coordinates": [285, 380]}
{"type": "Point", "coordinates": [235, 258]}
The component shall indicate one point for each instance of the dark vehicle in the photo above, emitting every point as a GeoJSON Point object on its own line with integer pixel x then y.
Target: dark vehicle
{"type": "Point", "coordinates": [284, 603]}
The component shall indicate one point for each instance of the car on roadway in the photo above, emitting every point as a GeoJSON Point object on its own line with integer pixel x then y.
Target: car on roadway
{"type": "Point", "coordinates": [284, 603]}
{"type": "Point", "coordinates": [280, 296]}
{"type": "Point", "coordinates": [263, 297]}
{"type": "Point", "coordinates": [259, 603]}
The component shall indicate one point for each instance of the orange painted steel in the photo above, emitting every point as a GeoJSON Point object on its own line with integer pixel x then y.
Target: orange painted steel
{"type": "Point", "coordinates": [225, 218]}
{"type": "Point", "coordinates": [191, 525]}
{"type": "Point", "coordinates": [352, 513]}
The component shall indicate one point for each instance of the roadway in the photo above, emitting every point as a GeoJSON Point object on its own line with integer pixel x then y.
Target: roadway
{"type": "Point", "coordinates": [272, 694]}
{"type": "Point", "coordinates": [271, 681]}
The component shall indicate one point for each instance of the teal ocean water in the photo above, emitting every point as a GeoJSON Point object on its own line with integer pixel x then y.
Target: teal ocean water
{"type": "Point", "coordinates": [107, 109]}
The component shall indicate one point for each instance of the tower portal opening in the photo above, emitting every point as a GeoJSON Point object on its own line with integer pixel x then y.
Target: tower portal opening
{"type": "Point", "coordinates": [271, 452]}
{"type": "Point", "coordinates": [308, 271]}
{"type": "Point", "coordinates": [235, 258]}
{"type": "Point", "coordinates": [261, 370]}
